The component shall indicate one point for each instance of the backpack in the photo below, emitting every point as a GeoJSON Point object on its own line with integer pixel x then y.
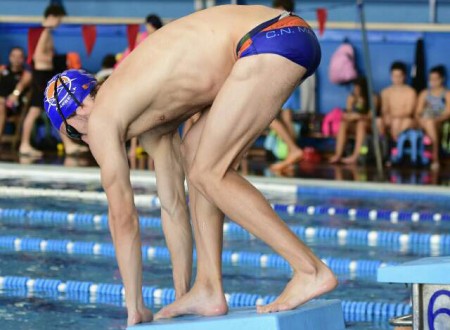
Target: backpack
{"type": "Point", "coordinates": [342, 67]}
{"type": "Point", "coordinates": [276, 145]}
{"type": "Point", "coordinates": [331, 122]}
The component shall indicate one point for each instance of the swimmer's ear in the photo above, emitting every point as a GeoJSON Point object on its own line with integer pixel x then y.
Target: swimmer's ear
{"type": "Point", "coordinates": [95, 90]}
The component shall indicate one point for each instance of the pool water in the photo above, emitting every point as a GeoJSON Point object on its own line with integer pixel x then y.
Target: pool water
{"type": "Point", "coordinates": [25, 310]}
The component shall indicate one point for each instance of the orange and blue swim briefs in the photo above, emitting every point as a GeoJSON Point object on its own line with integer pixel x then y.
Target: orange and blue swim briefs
{"type": "Point", "coordinates": [287, 35]}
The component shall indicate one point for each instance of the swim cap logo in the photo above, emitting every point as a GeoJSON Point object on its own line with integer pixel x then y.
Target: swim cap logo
{"type": "Point", "coordinates": [63, 96]}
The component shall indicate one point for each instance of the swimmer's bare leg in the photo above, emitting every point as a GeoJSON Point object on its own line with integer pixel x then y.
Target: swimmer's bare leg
{"type": "Point", "coordinates": [361, 129]}
{"type": "Point", "coordinates": [246, 104]}
{"type": "Point", "coordinates": [25, 147]}
{"type": "Point", "coordinates": [165, 150]}
{"type": "Point", "coordinates": [206, 297]}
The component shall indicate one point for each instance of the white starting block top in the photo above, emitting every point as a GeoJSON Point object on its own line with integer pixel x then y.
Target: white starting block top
{"type": "Point", "coordinates": [317, 315]}
{"type": "Point", "coordinates": [434, 270]}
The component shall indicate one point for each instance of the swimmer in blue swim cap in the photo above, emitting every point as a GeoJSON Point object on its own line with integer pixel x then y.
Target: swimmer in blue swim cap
{"type": "Point", "coordinates": [66, 92]}
{"type": "Point", "coordinates": [236, 65]}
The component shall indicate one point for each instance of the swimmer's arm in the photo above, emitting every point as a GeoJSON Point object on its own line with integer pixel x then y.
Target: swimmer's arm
{"type": "Point", "coordinates": [446, 114]}
{"type": "Point", "coordinates": [109, 151]}
{"type": "Point", "coordinates": [411, 103]}
{"type": "Point", "coordinates": [24, 81]}
{"type": "Point", "coordinates": [350, 101]}
{"type": "Point", "coordinates": [165, 151]}
{"type": "Point", "coordinates": [44, 47]}
{"type": "Point", "coordinates": [420, 104]}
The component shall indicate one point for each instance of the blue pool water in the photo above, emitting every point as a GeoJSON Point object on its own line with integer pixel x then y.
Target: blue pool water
{"type": "Point", "coordinates": [25, 310]}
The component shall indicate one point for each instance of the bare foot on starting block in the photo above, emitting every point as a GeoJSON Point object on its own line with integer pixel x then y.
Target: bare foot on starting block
{"type": "Point", "coordinates": [301, 289]}
{"type": "Point", "coordinates": [201, 300]}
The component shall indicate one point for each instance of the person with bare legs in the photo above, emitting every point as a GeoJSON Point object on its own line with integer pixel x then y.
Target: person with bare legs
{"type": "Point", "coordinates": [356, 118]}
{"type": "Point", "coordinates": [244, 77]}
{"type": "Point", "coordinates": [398, 103]}
{"type": "Point", "coordinates": [433, 109]}
{"type": "Point", "coordinates": [42, 72]}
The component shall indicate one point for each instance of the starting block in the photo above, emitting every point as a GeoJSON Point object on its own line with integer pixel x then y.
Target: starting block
{"type": "Point", "coordinates": [314, 315]}
{"type": "Point", "coordinates": [430, 291]}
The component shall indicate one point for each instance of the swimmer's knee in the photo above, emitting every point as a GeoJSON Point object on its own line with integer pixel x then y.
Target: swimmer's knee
{"type": "Point", "coordinates": [202, 178]}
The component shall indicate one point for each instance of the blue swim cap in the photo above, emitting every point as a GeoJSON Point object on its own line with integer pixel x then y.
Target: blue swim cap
{"type": "Point", "coordinates": [78, 82]}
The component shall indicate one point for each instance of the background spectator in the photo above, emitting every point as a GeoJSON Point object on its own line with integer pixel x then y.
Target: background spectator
{"type": "Point", "coordinates": [398, 103]}
{"type": "Point", "coordinates": [43, 71]}
{"type": "Point", "coordinates": [355, 119]}
{"type": "Point", "coordinates": [14, 81]}
{"type": "Point", "coordinates": [433, 109]}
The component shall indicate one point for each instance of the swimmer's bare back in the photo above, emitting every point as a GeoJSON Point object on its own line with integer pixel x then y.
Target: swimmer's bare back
{"type": "Point", "coordinates": [178, 70]}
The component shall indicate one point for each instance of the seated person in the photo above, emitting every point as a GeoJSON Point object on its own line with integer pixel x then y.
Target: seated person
{"type": "Point", "coordinates": [14, 80]}
{"type": "Point", "coordinates": [433, 109]}
{"type": "Point", "coordinates": [356, 118]}
{"type": "Point", "coordinates": [398, 103]}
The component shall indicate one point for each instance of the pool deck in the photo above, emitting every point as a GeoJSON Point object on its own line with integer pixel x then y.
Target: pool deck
{"type": "Point", "coordinates": [317, 315]}
{"type": "Point", "coordinates": [268, 184]}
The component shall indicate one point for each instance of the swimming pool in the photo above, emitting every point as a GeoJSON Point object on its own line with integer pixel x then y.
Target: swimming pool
{"type": "Point", "coordinates": [54, 241]}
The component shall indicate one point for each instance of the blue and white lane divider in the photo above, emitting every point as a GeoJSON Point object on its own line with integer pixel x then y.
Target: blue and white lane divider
{"type": "Point", "coordinates": [152, 201]}
{"type": "Point", "coordinates": [359, 267]}
{"type": "Point", "coordinates": [344, 236]}
{"type": "Point", "coordinates": [352, 309]}
{"type": "Point", "coordinates": [362, 213]}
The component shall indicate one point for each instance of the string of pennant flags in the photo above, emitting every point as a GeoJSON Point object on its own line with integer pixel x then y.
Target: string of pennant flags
{"type": "Point", "coordinates": [89, 31]}
{"type": "Point", "coordinates": [89, 34]}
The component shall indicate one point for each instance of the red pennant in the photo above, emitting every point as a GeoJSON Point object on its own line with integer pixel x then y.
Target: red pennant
{"type": "Point", "coordinates": [322, 14]}
{"type": "Point", "coordinates": [132, 32]}
{"type": "Point", "coordinates": [89, 36]}
{"type": "Point", "coordinates": [33, 38]}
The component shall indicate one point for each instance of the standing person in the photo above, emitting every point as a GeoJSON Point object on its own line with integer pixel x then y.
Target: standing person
{"type": "Point", "coordinates": [244, 66]}
{"type": "Point", "coordinates": [355, 118]}
{"type": "Point", "coordinates": [283, 124]}
{"type": "Point", "coordinates": [433, 109]}
{"type": "Point", "coordinates": [42, 72]}
{"type": "Point", "coordinates": [398, 104]}
{"type": "Point", "coordinates": [14, 81]}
